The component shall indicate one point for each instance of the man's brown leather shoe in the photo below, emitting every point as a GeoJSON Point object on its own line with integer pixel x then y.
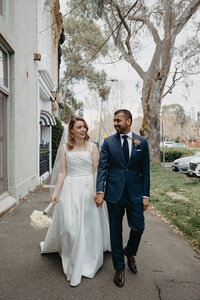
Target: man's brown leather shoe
{"type": "Point", "coordinates": [131, 262]}
{"type": "Point", "coordinates": [119, 278]}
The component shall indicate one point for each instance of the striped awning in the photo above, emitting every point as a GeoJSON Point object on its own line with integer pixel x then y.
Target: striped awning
{"type": "Point", "coordinates": [47, 119]}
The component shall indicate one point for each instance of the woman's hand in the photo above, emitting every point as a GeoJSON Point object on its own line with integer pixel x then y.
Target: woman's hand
{"type": "Point", "coordinates": [99, 200]}
{"type": "Point", "coordinates": [54, 199]}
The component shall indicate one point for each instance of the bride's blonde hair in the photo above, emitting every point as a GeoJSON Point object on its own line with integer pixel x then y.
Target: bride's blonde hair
{"type": "Point", "coordinates": [71, 139]}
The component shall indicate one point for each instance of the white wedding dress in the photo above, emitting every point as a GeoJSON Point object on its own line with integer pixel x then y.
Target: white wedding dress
{"type": "Point", "coordinates": [79, 230]}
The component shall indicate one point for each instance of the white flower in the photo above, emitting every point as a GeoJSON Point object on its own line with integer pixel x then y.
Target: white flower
{"type": "Point", "coordinates": [39, 220]}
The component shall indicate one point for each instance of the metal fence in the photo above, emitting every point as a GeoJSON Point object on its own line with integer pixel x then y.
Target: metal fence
{"type": "Point", "coordinates": [44, 158]}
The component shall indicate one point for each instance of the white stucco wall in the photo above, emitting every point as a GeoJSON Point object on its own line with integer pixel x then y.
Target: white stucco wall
{"type": "Point", "coordinates": [29, 92]}
{"type": "Point", "coordinates": [19, 30]}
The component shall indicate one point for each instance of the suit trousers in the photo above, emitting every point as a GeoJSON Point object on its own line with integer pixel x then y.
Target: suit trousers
{"type": "Point", "coordinates": [135, 218]}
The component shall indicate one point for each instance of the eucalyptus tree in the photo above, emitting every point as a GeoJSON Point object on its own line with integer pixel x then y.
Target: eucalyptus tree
{"type": "Point", "coordinates": [161, 21]}
{"type": "Point", "coordinates": [82, 38]}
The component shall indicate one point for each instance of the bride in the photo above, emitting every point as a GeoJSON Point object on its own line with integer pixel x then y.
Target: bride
{"type": "Point", "coordinates": [79, 230]}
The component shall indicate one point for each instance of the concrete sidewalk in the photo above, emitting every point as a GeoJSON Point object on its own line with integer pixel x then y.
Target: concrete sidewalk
{"type": "Point", "coordinates": [169, 269]}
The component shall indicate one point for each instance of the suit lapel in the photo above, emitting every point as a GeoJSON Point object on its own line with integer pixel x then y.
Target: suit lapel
{"type": "Point", "coordinates": [117, 143]}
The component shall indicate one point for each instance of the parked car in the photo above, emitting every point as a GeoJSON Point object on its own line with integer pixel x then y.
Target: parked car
{"type": "Point", "coordinates": [179, 145]}
{"type": "Point", "coordinates": [168, 144]}
{"type": "Point", "coordinates": [194, 166]}
{"type": "Point", "coordinates": [181, 165]}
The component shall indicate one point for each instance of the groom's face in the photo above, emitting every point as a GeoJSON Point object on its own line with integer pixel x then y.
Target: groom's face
{"type": "Point", "coordinates": [121, 124]}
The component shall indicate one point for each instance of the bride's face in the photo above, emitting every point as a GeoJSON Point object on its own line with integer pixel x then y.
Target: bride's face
{"type": "Point", "coordinates": [79, 130]}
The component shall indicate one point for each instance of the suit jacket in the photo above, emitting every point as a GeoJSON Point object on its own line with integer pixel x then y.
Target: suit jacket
{"type": "Point", "coordinates": [115, 172]}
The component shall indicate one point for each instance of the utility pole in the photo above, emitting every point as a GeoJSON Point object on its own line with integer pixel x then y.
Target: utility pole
{"type": "Point", "coordinates": [163, 143]}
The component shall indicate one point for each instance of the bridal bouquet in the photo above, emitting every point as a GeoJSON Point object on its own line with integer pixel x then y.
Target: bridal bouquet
{"type": "Point", "coordinates": [39, 219]}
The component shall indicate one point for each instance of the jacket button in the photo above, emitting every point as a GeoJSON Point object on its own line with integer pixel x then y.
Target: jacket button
{"type": "Point", "coordinates": [126, 169]}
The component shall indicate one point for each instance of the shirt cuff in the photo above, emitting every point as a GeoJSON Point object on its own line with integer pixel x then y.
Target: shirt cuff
{"type": "Point", "coordinates": [146, 197]}
{"type": "Point", "coordinates": [100, 192]}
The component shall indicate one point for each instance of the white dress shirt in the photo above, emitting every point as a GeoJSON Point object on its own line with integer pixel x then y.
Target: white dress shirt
{"type": "Point", "coordinates": [129, 140]}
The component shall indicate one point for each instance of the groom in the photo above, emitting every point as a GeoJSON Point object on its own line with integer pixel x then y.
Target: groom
{"type": "Point", "coordinates": [124, 167]}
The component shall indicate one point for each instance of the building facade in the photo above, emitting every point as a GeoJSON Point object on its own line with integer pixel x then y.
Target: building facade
{"type": "Point", "coordinates": [28, 88]}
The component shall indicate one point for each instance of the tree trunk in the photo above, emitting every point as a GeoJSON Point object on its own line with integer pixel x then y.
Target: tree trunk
{"type": "Point", "coordinates": [153, 86]}
{"type": "Point", "coordinates": [151, 102]}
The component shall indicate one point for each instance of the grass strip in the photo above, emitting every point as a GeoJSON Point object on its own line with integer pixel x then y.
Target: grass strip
{"type": "Point", "coordinates": [183, 212]}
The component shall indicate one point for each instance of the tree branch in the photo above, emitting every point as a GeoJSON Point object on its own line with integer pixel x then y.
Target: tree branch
{"type": "Point", "coordinates": [143, 18]}
{"type": "Point", "coordinates": [119, 44]}
{"type": "Point", "coordinates": [174, 80]}
{"type": "Point", "coordinates": [127, 29]}
{"type": "Point", "coordinates": [186, 15]}
{"type": "Point", "coordinates": [182, 74]}
{"type": "Point", "coordinates": [169, 18]}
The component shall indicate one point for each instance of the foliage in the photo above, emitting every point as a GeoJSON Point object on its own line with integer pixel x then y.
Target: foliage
{"type": "Point", "coordinates": [57, 132]}
{"type": "Point", "coordinates": [182, 211]}
{"type": "Point", "coordinates": [172, 154]}
{"type": "Point", "coordinates": [177, 126]}
{"type": "Point", "coordinates": [71, 106]}
{"type": "Point", "coordinates": [83, 38]}
{"type": "Point", "coordinates": [177, 110]}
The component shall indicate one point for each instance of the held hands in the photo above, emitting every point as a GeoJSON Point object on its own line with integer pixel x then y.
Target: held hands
{"type": "Point", "coordinates": [98, 198]}
{"type": "Point", "coordinates": [145, 203]}
{"type": "Point", "coordinates": [54, 199]}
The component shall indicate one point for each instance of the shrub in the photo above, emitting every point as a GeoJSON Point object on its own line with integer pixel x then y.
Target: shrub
{"type": "Point", "coordinates": [171, 154]}
{"type": "Point", "coordinates": [57, 132]}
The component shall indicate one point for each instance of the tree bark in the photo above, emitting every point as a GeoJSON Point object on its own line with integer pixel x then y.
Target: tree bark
{"type": "Point", "coordinates": [153, 86]}
{"type": "Point", "coordinates": [151, 103]}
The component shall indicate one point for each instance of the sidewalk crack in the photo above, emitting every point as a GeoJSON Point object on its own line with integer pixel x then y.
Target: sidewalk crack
{"type": "Point", "coordinates": [159, 290]}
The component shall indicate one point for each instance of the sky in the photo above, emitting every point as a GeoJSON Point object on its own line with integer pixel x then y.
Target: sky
{"type": "Point", "coordinates": [123, 89]}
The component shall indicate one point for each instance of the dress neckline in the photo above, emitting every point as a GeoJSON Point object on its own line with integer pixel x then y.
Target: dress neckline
{"type": "Point", "coordinates": [79, 151]}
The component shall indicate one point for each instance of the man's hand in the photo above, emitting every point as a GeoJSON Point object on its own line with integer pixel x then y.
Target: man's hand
{"type": "Point", "coordinates": [99, 200]}
{"type": "Point", "coordinates": [145, 203]}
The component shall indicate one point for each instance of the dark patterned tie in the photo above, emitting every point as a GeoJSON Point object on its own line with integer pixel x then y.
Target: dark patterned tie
{"type": "Point", "coordinates": [125, 148]}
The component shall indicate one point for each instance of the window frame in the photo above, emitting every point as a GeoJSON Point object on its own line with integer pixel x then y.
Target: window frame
{"type": "Point", "coordinates": [3, 88]}
{"type": "Point", "coordinates": [1, 7]}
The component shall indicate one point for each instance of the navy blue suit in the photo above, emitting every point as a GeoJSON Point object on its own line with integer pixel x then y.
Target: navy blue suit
{"type": "Point", "coordinates": [126, 184]}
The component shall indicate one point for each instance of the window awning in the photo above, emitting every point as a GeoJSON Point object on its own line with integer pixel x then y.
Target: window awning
{"type": "Point", "coordinates": [47, 119]}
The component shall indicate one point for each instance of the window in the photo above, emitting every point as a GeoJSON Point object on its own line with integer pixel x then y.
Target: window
{"type": "Point", "coordinates": [3, 68]}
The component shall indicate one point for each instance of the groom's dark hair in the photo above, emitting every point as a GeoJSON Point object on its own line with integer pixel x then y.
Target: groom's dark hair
{"type": "Point", "coordinates": [126, 112]}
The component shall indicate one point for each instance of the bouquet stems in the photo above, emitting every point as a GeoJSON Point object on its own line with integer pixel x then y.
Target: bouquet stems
{"type": "Point", "coordinates": [46, 210]}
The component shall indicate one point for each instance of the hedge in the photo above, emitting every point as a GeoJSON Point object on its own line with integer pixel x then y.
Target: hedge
{"type": "Point", "coordinates": [171, 154]}
{"type": "Point", "coordinates": [57, 132]}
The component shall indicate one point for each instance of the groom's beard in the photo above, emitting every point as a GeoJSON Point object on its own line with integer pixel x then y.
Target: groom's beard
{"type": "Point", "coordinates": [120, 130]}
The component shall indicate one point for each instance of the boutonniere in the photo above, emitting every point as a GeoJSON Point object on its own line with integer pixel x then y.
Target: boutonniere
{"type": "Point", "coordinates": [135, 142]}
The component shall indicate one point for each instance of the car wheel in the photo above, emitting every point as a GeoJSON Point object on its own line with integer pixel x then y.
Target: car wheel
{"type": "Point", "coordinates": [188, 175]}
